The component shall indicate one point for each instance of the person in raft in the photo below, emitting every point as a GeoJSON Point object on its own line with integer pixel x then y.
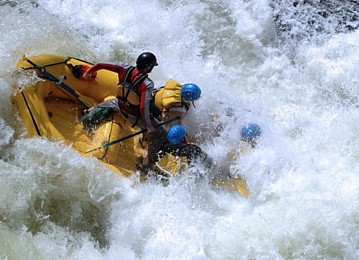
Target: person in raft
{"type": "Point", "coordinates": [133, 95]}
{"type": "Point", "coordinates": [137, 102]}
{"type": "Point", "coordinates": [170, 101]}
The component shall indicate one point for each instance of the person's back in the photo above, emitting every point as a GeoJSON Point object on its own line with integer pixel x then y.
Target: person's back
{"type": "Point", "coordinates": [169, 96]}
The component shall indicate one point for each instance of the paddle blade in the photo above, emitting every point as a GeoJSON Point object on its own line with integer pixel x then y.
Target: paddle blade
{"type": "Point", "coordinates": [235, 184]}
{"type": "Point", "coordinates": [170, 165]}
{"type": "Point", "coordinates": [241, 186]}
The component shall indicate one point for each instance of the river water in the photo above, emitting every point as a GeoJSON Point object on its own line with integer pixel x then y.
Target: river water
{"type": "Point", "coordinates": [289, 66]}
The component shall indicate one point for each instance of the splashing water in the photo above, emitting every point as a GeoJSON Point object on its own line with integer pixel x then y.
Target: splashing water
{"type": "Point", "coordinates": [290, 67]}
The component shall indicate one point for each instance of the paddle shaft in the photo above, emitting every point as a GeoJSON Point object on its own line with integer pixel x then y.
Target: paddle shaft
{"type": "Point", "coordinates": [51, 77]}
{"type": "Point", "coordinates": [132, 135]}
{"type": "Point", "coordinates": [47, 75]}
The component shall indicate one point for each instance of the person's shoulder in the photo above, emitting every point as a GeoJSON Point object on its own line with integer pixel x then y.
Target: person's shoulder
{"type": "Point", "coordinates": [149, 82]}
{"type": "Point", "coordinates": [124, 65]}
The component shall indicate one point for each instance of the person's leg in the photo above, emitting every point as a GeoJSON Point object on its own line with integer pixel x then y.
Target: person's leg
{"type": "Point", "coordinates": [95, 116]}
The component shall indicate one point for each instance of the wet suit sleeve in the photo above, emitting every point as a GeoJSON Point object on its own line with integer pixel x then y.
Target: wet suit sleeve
{"type": "Point", "coordinates": [118, 68]}
{"type": "Point", "coordinates": [146, 93]}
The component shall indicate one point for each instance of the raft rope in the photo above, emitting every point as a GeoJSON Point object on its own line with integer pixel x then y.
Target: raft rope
{"type": "Point", "coordinates": [62, 62]}
{"type": "Point", "coordinates": [109, 137]}
{"type": "Point", "coordinates": [31, 114]}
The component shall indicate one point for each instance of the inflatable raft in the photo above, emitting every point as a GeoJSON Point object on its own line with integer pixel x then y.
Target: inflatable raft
{"type": "Point", "coordinates": [53, 104]}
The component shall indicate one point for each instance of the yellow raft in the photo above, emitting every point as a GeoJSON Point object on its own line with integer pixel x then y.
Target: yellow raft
{"type": "Point", "coordinates": [52, 108]}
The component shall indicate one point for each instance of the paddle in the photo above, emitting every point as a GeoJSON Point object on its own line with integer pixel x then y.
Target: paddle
{"type": "Point", "coordinates": [131, 135]}
{"type": "Point", "coordinates": [241, 186]}
{"type": "Point", "coordinates": [89, 102]}
{"type": "Point", "coordinates": [231, 183]}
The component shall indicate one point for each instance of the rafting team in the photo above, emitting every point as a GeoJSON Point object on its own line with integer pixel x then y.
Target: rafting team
{"type": "Point", "coordinates": [146, 107]}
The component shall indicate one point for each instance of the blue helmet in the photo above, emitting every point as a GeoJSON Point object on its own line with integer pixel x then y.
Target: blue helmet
{"type": "Point", "coordinates": [176, 133]}
{"type": "Point", "coordinates": [250, 131]}
{"type": "Point", "coordinates": [190, 92]}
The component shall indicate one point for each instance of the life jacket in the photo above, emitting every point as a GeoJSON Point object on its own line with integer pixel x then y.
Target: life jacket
{"type": "Point", "coordinates": [169, 96]}
{"type": "Point", "coordinates": [126, 92]}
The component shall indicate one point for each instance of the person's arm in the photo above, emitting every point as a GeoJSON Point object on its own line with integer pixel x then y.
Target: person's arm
{"type": "Point", "coordinates": [101, 66]}
{"type": "Point", "coordinates": [145, 103]}
{"type": "Point", "coordinates": [180, 112]}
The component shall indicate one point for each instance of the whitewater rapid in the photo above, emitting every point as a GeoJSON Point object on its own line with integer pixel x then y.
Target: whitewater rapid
{"type": "Point", "coordinates": [290, 67]}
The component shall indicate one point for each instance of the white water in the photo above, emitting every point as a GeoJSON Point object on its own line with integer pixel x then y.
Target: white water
{"type": "Point", "coordinates": [300, 86]}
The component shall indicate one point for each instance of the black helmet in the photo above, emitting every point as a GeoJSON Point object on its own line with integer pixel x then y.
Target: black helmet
{"type": "Point", "coordinates": [146, 59]}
